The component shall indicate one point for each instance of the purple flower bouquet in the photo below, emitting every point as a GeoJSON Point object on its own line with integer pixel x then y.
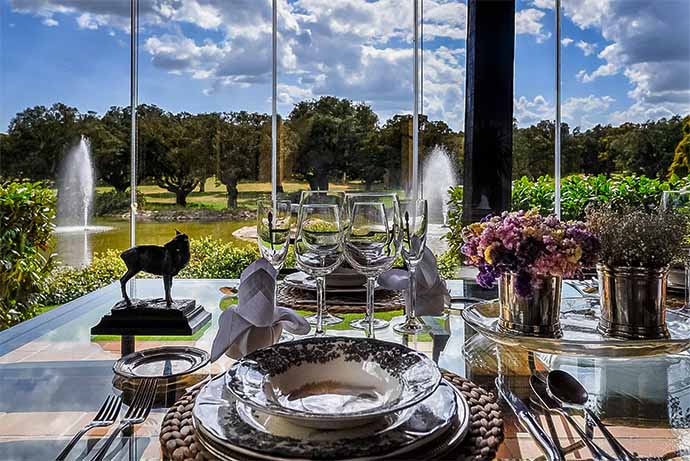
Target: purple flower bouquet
{"type": "Point", "coordinates": [529, 246]}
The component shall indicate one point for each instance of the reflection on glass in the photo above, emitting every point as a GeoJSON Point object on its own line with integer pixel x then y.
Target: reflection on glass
{"type": "Point", "coordinates": [319, 249]}
{"type": "Point", "coordinates": [273, 231]}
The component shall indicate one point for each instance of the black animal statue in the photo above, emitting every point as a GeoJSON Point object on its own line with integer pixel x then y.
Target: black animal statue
{"type": "Point", "coordinates": [167, 260]}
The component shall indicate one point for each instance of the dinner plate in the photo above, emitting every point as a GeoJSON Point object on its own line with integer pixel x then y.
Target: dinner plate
{"type": "Point", "coordinates": [161, 362]}
{"type": "Point", "coordinates": [333, 382]}
{"type": "Point", "coordinates": [231, 430]}
{"type": "Point", "coordinates": [580, 336]}
{"type": "Point", "coordinates": [306, 282]}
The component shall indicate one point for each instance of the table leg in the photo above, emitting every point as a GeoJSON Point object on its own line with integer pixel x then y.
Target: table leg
{"type": "Point", "coordinates": [126, 345]}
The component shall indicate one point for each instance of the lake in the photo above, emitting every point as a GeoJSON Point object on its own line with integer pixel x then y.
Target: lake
{"type": "Point", "coordinates": [77, 248]}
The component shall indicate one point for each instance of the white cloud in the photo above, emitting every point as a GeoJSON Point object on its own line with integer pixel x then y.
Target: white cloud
{"type": "Point", "coordinates": [575, 111]}
{"type": "Point", "coordinates": [528, 21]}
{"type": "Point", "coordinates": [566, 41]}
{"type": "Point", "coordinates": [544, 4]}
{"type": "Point", "coordinates": [528, 112]}
{"type": "Point", "coordinates": [587, 48]}
{"type": "Point", "coordinates": [50, 22]}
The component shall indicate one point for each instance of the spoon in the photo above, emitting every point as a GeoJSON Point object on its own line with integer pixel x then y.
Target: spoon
{"type": "Point", "coordinates": [540, 390]}
{"type": "Point", "coordinates": [567, 390]}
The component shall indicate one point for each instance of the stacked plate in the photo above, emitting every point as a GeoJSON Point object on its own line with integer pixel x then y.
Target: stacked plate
{"type": "Point", "coordinates": [331, 398]}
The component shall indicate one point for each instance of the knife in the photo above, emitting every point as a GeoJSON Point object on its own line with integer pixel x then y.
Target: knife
{"type": "Point", "coordinates": [528, 421]}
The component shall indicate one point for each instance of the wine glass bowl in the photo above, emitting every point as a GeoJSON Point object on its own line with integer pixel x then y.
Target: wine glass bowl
{"type": "Point", "coordinates": [273, 230]}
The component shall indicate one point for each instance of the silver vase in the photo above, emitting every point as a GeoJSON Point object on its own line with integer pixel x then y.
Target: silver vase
{"type": "Point", "coordinates": [534, 315]}
{"type": "Point", "coordinates": [633, 302]}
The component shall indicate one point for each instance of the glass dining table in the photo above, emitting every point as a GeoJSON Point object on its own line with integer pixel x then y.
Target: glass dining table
{"type": "Point", "coordinates": [54, 376]}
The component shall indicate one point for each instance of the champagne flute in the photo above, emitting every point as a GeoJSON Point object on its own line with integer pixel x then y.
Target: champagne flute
{"type": "Point", "coordinates": [371, 247]}
{"type": "Point", "coordinates": [414, 230]}
{"type": "Point", "coordinates": [319, 249]}
{"type": "Point", "coordinates": [273, 235]}
{"type": "Point", "coordinates": [679, 201]}
{"type": "Point", "coordinates": [392, 211]}
{"type": "Point", "coordinates": [337, 198]}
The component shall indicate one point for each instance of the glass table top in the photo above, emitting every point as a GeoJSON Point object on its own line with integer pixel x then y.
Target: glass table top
{"type": "Point", "coordinates": [54, 375]}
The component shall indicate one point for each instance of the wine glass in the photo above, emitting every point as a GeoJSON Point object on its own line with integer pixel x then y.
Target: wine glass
{"type": "Point", "coordinates": [371, 247]}
{"type": "Point", "coordinates": [392, 211]}
{"type": "Point", "coordinates": [273, 234]}
{"type": "Point", "coordinates": [319, 248]}
{"type": "Point", "coordinates": [679, 201]}
{"type": "Point", "coordinates": [414, 229]}
{"type": "Point", "coordinates": [316, 197]}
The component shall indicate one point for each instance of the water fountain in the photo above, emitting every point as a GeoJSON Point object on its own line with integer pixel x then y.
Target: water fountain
{"type": "Point", "coordinates": [439, 176]}
{"type": "Point", "coordinates": [75, 205]}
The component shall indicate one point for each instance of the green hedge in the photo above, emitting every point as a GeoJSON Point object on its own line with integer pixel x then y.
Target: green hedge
{"type": "Point", "coordinates": [111, 202]}
{"type": "Point", "coordinates": [27, 211]}
{"type": "Point", "coordinates": [211, 258]}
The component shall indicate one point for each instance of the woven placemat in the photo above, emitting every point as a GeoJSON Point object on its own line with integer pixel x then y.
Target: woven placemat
{"type": "Point", "coordinates": [485, 434]}
{"type": "Point", "coordinates": [385, 301]}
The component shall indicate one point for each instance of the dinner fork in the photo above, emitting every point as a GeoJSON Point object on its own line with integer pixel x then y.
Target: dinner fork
{"type": "Point", "coordinates": [136, 414]}
{"type": "Point", "coordinates": [105, 417]}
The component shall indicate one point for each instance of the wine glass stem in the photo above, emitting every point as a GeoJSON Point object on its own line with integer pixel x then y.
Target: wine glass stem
{"type": "Point", "coordinates": [321, 303]}
{"type": "Point", "coordinates": [412, 295]}
{"type": "Point", "coordinates": [370, 306]}
{"type": "Point", "coordinates": [687, 283]}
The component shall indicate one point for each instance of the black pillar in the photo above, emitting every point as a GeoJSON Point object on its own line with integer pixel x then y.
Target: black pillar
{"type": "Point", "coordinates": [488, 108]}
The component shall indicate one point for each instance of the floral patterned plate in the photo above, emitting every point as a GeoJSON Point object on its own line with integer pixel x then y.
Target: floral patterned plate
{"type": "Point", "coordinates": [233, 431]}
{"type": "Point", "coordinates": [579, 319]}
{"type": "Point", "coordinates": [333, 382]}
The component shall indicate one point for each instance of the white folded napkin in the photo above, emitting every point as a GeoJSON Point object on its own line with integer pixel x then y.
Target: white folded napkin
{"type": "Point", "coordinates": [432, 292]}
{"type": "Point", "coordinates": [255, 323]}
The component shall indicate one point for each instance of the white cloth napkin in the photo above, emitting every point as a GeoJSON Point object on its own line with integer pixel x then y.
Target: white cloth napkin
{"type": "Point", "coordinates": [255, 323]}
{"type": "Point", "coordinates": [432, 292]}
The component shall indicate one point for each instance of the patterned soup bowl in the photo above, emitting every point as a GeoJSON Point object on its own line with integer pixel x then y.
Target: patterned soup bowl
{"type": "Point", "coordinates": [333, 382]}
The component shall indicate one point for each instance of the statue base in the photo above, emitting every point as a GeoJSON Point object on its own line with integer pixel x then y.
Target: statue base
{"type": "Point", "coordinates": [152, 317]}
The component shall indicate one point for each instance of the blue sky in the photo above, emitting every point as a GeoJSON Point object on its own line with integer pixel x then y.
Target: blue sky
{"type": "Point", "coordinates": [623, 60]}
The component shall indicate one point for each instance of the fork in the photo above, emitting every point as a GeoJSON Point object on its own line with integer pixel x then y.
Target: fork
{"type": "Point", "coordinates": [136, 413]}
{"type": "Point", "coordinates": [105, 417]}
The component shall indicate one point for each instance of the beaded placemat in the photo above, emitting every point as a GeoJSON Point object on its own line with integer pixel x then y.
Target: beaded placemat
{"type": "Point", "coordinates": [485, 435]}
{"type": "Point", "coordinates": [385, 301]}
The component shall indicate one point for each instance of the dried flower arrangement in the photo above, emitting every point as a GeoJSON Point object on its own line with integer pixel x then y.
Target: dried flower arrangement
{"type": "Point", "coordinates": [529, 245]}
{"type": "Point", "coordinates": [637, 237]}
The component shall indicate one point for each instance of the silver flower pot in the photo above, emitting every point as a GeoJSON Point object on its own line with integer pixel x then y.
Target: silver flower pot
{"type": "Point", "coordinates": [633, 302]}
{"type": "Point", "coordinates": [534, 315]}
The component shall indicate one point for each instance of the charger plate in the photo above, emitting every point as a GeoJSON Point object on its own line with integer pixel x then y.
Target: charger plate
{"type": "Point", "coordinates": [229, 429]}
{"type": "Point", "coordinates": [580, 336]}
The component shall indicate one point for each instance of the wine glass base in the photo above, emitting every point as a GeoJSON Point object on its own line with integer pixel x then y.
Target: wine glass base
{"type": "Point", "coordinates": [411, 327]}
{"type": "Point", "coordinates": [328, 319]}
{"type": "Point", "coordinates": [363, 324]}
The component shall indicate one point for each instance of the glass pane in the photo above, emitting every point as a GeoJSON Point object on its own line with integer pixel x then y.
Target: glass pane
{"type": "Point", "coordinates": [534, 104]}
{"type": "Point", "coordinates": [443, 110]}
{"type": "Point", "coordinates": [64, 76]}
{"type": "Point", "coordinates": [625, 86]}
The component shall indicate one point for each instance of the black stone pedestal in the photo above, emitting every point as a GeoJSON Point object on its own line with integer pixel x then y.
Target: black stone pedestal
{"type": "Point", "coordinates": [152, 317]}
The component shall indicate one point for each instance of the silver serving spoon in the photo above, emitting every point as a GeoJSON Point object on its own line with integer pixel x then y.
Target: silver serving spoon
{"type": "Point", "coordinates": [563, 387]}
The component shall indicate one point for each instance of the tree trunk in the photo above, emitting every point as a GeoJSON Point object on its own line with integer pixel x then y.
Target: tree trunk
{"type": "Point", "coordinates": [322, 182]}
{"type": "Point", "coordinates": [181, 197]}
{"type": "Point", "coordinates": [231, 187]}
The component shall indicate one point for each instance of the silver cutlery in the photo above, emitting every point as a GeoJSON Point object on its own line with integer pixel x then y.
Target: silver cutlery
{"type": "Point", "coordinates": [136, 413]}
{"type": "Point", "coordinates": [105, 417]}
{"type": "Point", "coordinates": [550, 404]}
{"type": "Point", "coordinates": [528, 421]}
{"type": "Point", "coordinates": [567, 390]}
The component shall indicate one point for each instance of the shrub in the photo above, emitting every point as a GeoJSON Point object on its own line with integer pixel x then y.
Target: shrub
{"type": "Point", "coordinates": [27, 211]}
{"type": "Point", "coordinates": [210, 258]}
{"type": "Point", "coordinates": [112, 202]}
